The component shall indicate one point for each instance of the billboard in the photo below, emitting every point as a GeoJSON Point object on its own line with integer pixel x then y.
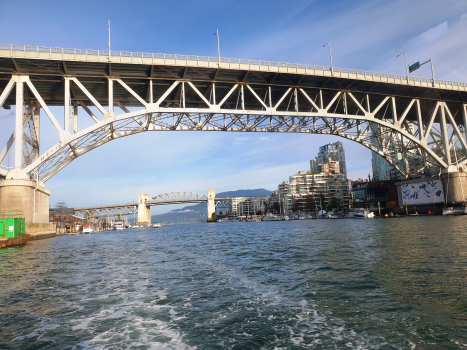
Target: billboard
{"type": "Point", "coordinates": [422, 192]}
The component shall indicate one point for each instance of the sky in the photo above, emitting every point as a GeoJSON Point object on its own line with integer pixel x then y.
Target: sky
{"type": "Point", "coordinates": [366, 35]}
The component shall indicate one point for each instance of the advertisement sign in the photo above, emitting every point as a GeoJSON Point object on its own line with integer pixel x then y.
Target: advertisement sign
{"type": "Point", "coordinates": [422, 192]}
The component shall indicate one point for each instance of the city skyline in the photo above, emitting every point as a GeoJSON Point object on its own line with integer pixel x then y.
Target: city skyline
{"type": "Point", "coordinates": [174, 161]}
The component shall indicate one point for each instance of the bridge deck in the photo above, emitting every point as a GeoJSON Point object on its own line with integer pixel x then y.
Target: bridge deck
{"type": "Point", "coordinates": [181, 201]}
{"type": "Point", "coordinates": [47, 66]}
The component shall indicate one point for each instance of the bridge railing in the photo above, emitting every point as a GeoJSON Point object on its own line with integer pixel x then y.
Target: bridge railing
{"type": "Point", "coordinates": [105, 53]}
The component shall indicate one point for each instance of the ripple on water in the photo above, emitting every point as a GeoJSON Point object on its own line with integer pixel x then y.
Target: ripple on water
{"type": "Point", "coordinates": [321, 284]}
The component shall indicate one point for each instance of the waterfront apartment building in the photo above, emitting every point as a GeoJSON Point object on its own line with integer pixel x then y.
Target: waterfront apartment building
{"type": "Point", "coordinates": [330, 159]}
{"type": "Point", "coordinates": [283, 188]}
{"type": "Point", "coordinates": [330, 188]}
{"type": "Point", "coordinates": [247, 206]}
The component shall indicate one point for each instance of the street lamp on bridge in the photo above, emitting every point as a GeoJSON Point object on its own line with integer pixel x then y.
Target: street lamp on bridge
{"type": "Point", "coordinates": [406, 67]}
{"type": "Point", "coordinates": [330, 55]}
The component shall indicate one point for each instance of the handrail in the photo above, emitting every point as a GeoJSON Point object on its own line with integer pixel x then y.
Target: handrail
{"type": "Point", "coordinates": [105, 53]}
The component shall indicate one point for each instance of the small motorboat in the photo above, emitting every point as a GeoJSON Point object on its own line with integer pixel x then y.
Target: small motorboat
{"type": "Point", "coordinates": [363, 214]}
{"type": "Point", "coordinates": [270, 217]}
{"type": "Point", "coordinates": [88, 228]}
{"type": "Point", "coordinates": [156, 225]}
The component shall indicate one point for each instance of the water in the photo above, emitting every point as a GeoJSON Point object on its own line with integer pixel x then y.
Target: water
{"type": "Point", "coordinates": [314, 284]}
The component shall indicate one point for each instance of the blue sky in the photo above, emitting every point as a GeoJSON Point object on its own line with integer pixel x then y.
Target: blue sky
{"type": "Point", "coordinates": [364, 35]}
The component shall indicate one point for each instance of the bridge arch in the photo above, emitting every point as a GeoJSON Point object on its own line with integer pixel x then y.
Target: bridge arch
{"type": "Point", "coordinates": [63, 153]}
{"type": "Point", "coordinates": [413, 133]}
{"type": "Point", "coordinates": [180, 196]}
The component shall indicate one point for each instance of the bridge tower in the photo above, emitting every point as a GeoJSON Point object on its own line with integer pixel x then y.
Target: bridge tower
{"type": "Point", "coordinates": [144, 210]}
{"type": "Point", "coordinates": [211, 203]}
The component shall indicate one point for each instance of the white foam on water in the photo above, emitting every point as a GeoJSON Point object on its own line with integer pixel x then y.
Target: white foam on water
{"type": "Point", "coordinates": [39, 333]}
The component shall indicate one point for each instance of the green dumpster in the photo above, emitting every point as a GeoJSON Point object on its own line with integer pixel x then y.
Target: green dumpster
{"type": "Point", "coordinates": [11, 223]}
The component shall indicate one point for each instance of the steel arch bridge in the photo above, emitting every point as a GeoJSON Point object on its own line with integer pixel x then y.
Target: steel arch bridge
{"type": "Point", "coordinates": [105, 211]}
{"type": "Point", "coordinates": [180, 197]}
{"type": "Point", "coordinates": [417, 125]}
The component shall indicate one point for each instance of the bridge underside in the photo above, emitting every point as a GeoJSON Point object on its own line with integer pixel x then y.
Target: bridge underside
{"type": "Point", "coordinates": [418, 129]}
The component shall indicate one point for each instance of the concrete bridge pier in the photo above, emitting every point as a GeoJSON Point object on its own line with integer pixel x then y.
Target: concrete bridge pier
{"type": "Point", "coordinates": [28, 196]}
{"type": "Point", "coordinates": [211, 203]}
{"type": "Point", "coordinates": [144, 210]}
{"type": "Point", "coordinates": [454, 185]}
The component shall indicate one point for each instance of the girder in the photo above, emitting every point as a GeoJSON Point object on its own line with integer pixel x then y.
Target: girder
{"type": "Point", "coordinates": [179, 196]}
{"type": "Point", "coordinates": [415, 134]}
{"type": "Point", "coordinates": [106, 211]}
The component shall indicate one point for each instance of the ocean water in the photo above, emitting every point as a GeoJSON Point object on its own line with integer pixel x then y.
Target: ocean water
{"type": "Point", "coordinates": [310, 284]}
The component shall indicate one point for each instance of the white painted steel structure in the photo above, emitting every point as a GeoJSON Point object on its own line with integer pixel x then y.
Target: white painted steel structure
{"type": "Point", "coordinates": [416, 122]}
{"type": "Point", "coordinates": [181, 197]}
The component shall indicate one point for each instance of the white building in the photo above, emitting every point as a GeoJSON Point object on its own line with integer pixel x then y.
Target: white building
{"type": "Point", "coordinates": [325, 187]}
{"type": "Point", "coordinates": [247, 206]}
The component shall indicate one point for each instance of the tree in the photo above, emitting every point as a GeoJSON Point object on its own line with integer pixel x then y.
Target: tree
{"type": "Point", "coordinates": [310, 203]}
{"type": "Point", "coordinates": [296, 205]}
{"type": "Point", "coordinates": [276, 207]}
{"type": "Point", "coordinates": [214, 216]}
{"type": "Point", "coordinates": [335, 202]}
{"type": "Point", "coordinates": [324, 205]}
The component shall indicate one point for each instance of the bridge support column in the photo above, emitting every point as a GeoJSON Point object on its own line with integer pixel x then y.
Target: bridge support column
{"type": "Point", "coordinates": [144, 210]}
{"type": "Point", "coordinates": [211, 203]}
{"type": "Point", "coordinates": [22, 195]}
{"type": "Point", "coordinates": [454, 186]}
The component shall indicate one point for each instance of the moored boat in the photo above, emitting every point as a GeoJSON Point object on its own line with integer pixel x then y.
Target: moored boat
{"type": "Point", "coordinates": [270, 217]}
{"type": "Point", "coordinates": [119, 225]}
{"type": "Point", "coordinates": [156, 225]}
{"type": "Point", "coordinates": [88, 228]}
{"type": "Point", "coordinates": [363, 214]}
{"type": "Point", "coordinates": [455, 209]}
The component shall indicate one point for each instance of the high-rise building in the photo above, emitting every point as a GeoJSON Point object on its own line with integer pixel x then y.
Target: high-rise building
{"type": "Point", "coordinates": [330, 159]}
{"type": "Point", "coordinates": [382, 169]}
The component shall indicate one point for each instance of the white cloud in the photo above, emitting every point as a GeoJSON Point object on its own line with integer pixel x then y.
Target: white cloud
{"type": "Point", "coordinates": [240, 140]}
{"type": "Point", "coordinates": [434, 33]}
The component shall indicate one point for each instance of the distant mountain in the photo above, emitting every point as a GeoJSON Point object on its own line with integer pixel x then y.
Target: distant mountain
{"type": "Point", "coordinates": [198, 212]}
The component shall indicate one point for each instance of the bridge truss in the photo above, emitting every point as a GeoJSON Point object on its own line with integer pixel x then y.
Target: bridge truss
{"type": "Point", "coordinates": [178, 198]}
{"type": "Point", "coordinates": [418, 129]}
{"type": "Point", "coordinates": [181, 197]}
{"type": "Point", "coordinates": [109, 211]}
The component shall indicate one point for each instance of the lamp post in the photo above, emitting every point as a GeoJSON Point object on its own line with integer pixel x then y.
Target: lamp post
{"type": "Point", "coordinates": [109, 40]}
{"type": "Point", "coordinates": [406, 67]}
{"type": "Point", "coordinates": [330, 56]}
{"type": "Point", "coordinates": [218, 48]}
